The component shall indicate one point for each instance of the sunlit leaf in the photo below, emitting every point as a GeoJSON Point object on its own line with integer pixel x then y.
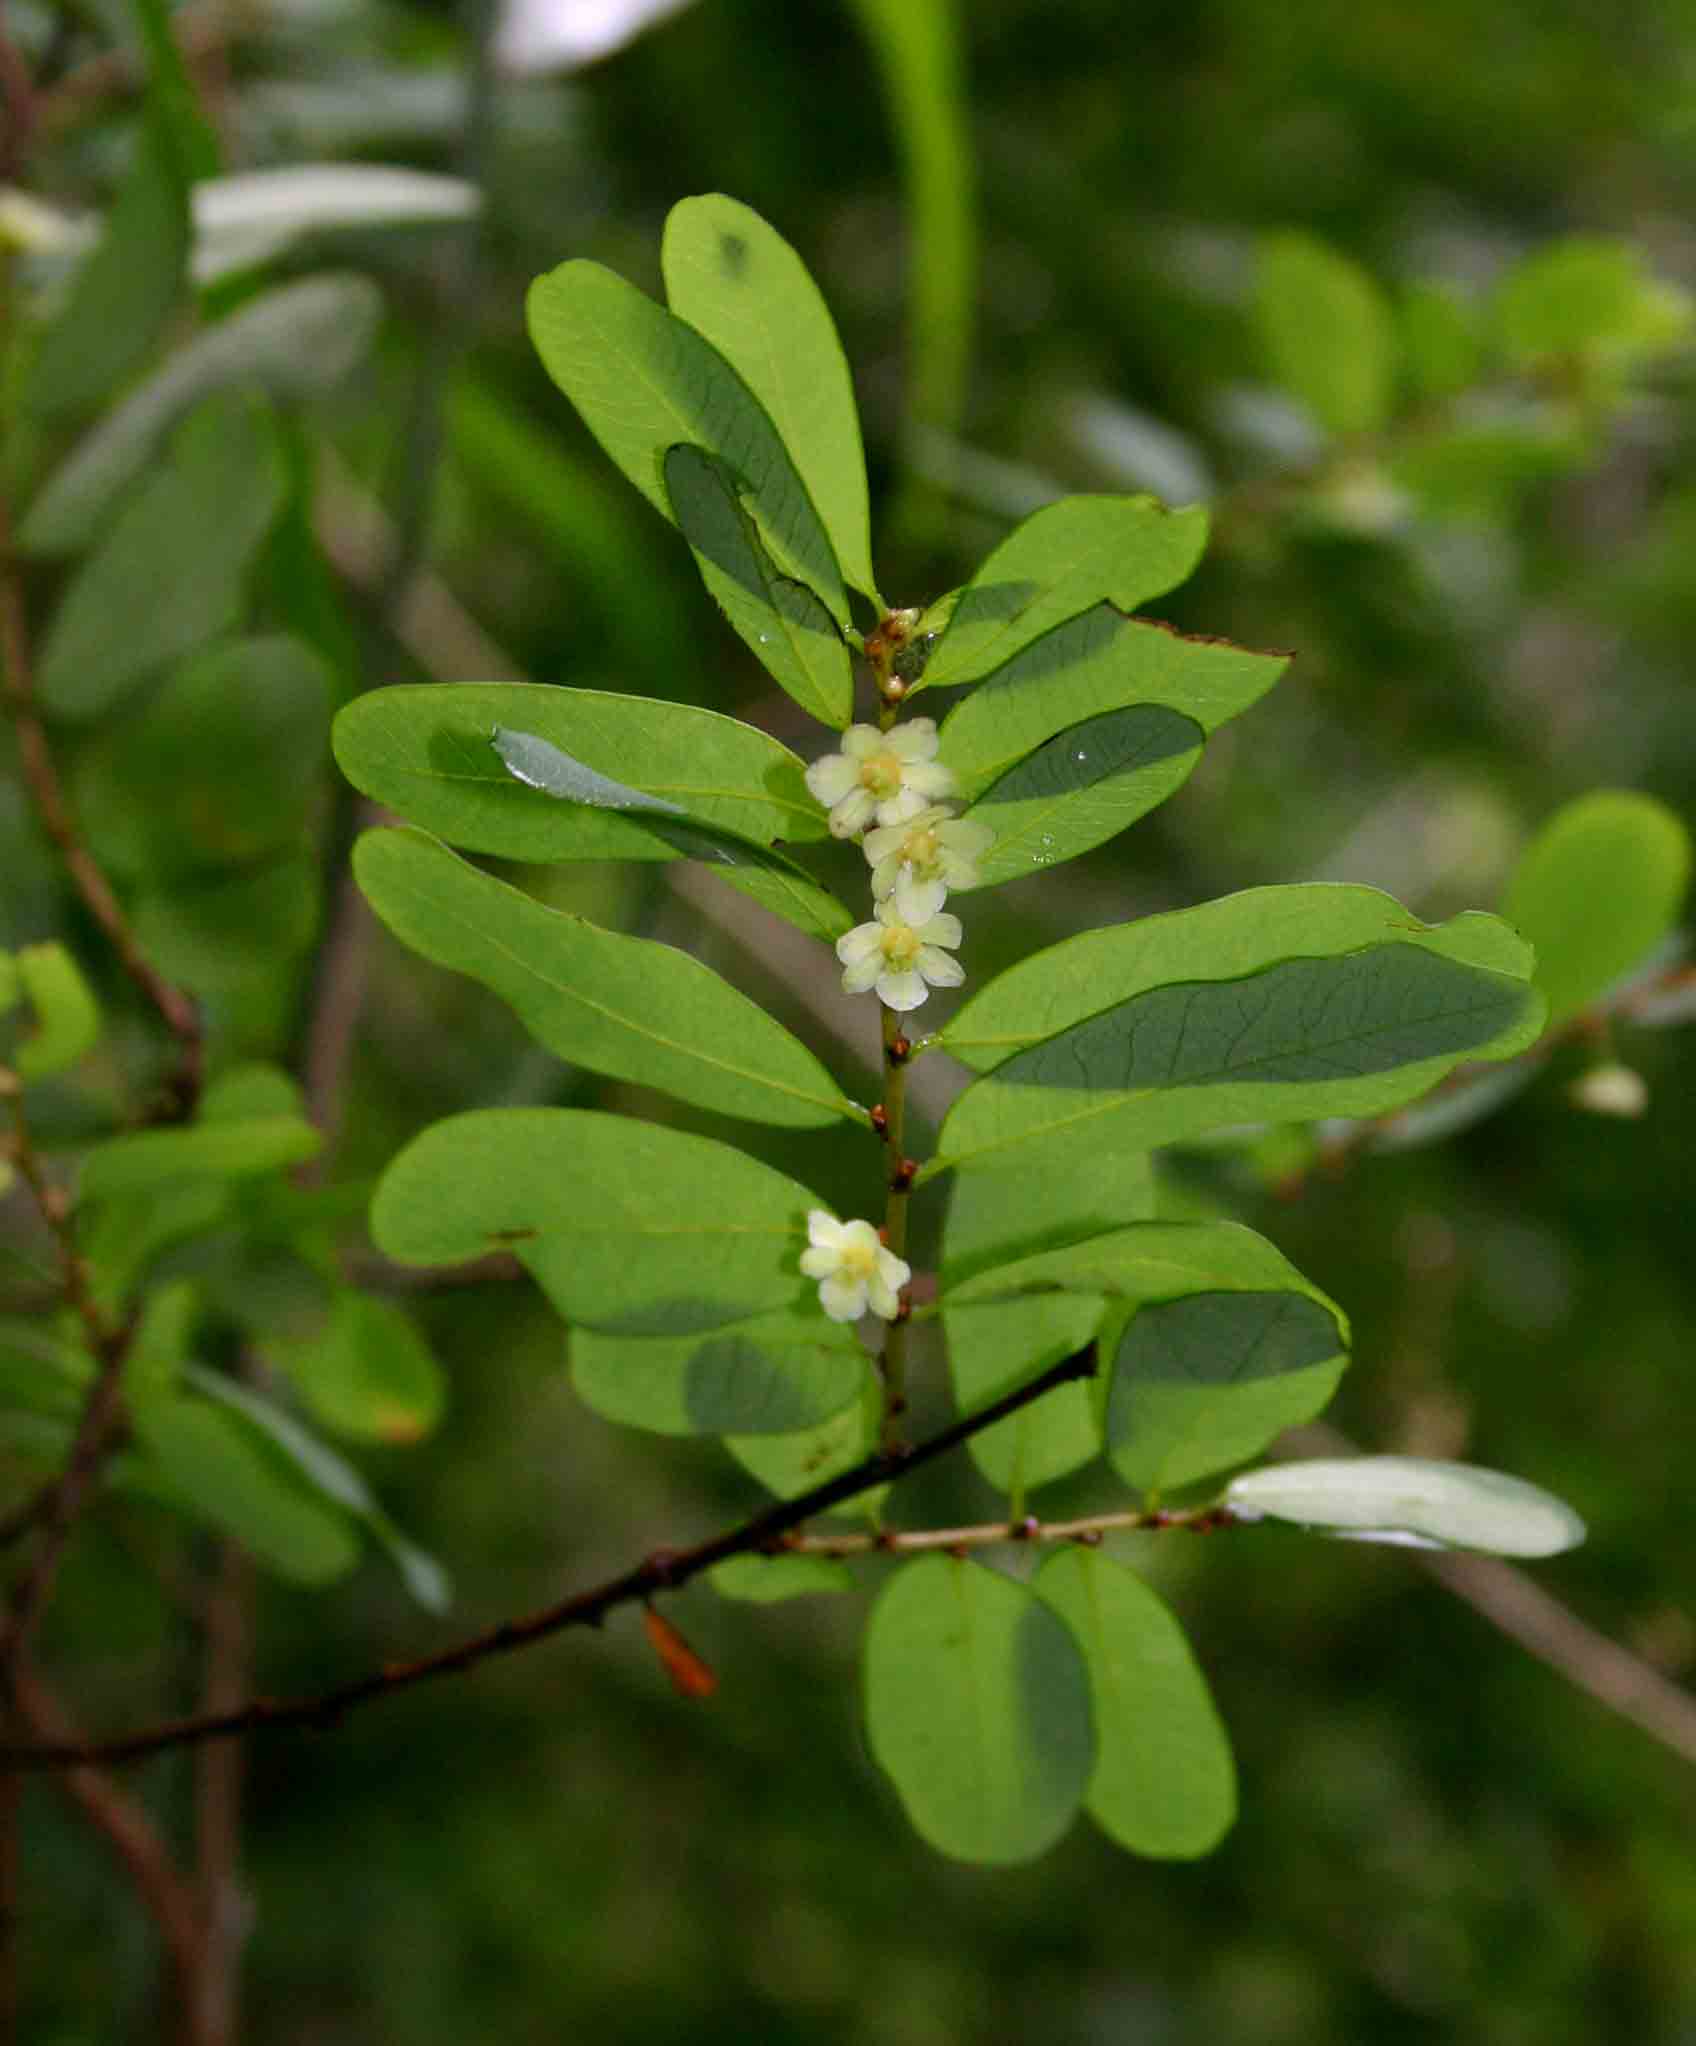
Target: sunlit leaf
{"type": "Point", "coordinates": [1095, 664]}
{"type": "Point", "coordinates": [1164, 1783]}
{"type": "Point", "coordinates": [977, 1706]}
{"type": "Point", "coordinates": [737, 281]}
{"type": "Point", "coordinates": [67, 1017]}
{"type": "Point", "coordinates": [786, 627]}
{"type": "Point", "coordinates": [1412, 1501]}
{"type": "Point", "coordinates": [1064, 560]}
{"type": "Point", "coordinates": [1328, 332]}
{"type": "Point", "coordinates": [620, 1005]}
{"type": "Point", "coordinates": [628, 1226]}
{"type": "Point", "coordinates": [645, 380]}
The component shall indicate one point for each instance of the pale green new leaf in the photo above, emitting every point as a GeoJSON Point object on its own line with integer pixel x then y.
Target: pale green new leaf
{"type": "Point", "coordinates": [645, 380]}
{"type": "Point", "coordinates": [143, 1161]}
{"type": "Point", "coordinates": [1328, 332]}
{"type": "Point", "coordinates": [628, 1226]}
{"type": "Point", "coordinates": [1093, 664]}
{"type": "Point", "coordinates": [775, 1375]}
{"type": "Point", "coordinates": [978, 1708]}
{"type": "Point", "coordinates": [1596, 891]}
{"type": "Point", "coordinates": [67, 1017]}
{"type": "Point", "coordinates": [292, 342]}
{"type": "Point", "coordinates": [1164, 1782]}
{"type": "Point", "coordinates": [1065, 559]}
{"type": "Point", "coordinates": [621, 1005]}
{"type": "Point", "coordinates": [172, 572]}
{"type": "Point", "coordinates": [427, 753]}
{"type": "Point", "coordinates": [1082, 788]}
{"type": "Point", "coordinates": [785, 626]}
{"type": "Point", "coordinates": [1276, 1005]}
{"type": "Point", "coordinates": [764, 1580]}
{"type": "Point", "coordinates": [1410, 1501]}
{"type": "Point", "coordinates": [737, 281]}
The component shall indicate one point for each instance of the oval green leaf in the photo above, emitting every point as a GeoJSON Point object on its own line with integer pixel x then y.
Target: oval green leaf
{"type": "Point", "coordinates": [775, 1375]}
{"type": "Point", "coordinates": [627, 1226]}
{"type": "Point", "coordinates": [764, 1580]}
{"type": "Point", "coordinates": [1164, 1782]}
{"type": "Point", "coordinates": [621, 1005]}
{"type": "Point", "coordinates": [737, 281]}
{"type": "Point", "coordinates": [996, 1346]}
{"type": "Point", "coordinates": [1328, 332]}
{"type": "Point", "coordinates": [978, 1708]}
{"type": "Point", "coordinates": [368, 1373]}
{"type": "Point", "coordinates": [1064, 559]}
{"type": "Point", "coordinates": [1413, 1501]}
{"type": "Point", "coordinates": [1596, 891]}
{"type": "Point", "coordinates": [239, 1147]}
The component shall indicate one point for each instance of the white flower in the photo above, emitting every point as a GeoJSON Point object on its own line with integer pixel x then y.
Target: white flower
{"type": "Point", "coordinates": [898, 958]}
{"type": "Point", "coordinates": [853, 1268]}
{"type": "Point", "coordinates": [919, 861]}
{"type": "Point", "coordinates": [890, 775]}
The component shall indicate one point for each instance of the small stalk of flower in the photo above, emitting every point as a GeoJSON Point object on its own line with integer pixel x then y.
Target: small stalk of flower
{"type": "Point", "coordinates": [902, 961]}
{"type": "Point", "coordinates": [891, 776]}
{"type": "Point", "coordinates": [854, 1271]}
{"type": "Point", "coordinates": [918, 862]}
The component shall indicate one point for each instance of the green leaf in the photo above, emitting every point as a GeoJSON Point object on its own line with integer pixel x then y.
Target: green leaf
{"type": "Point", "coordinates": [143, 1161]}
{"type": "Point", "coordinates": [788, 1464]}
{"type": "Point", "coordinates": [994, 1217]}
{"type": "Point", "coordinates": [216, 933]}
{"type": "Point", "coordinates": [996, 1346]}
{"type": "Point", "coordinates": [67, 1017]}
{"type": "Point", "coordinates": [192, 138]}
{"type": "Point", "coordinates": [628, 1226]}
{"type": "Point", "coordinates": [426, 752]}
{"type": "Point", "coordinates": [645, 380]}
{"type": "Point", "coordinates": [368, 1374]}
{"type": "Point", "coordinates": [621, 1005]}
{"type": "Point", "coordinates": [1207, 1381]}
{"type": "Point", "coordinates": [41, 1373]}
{"type": "Point", "coordinates": [1064, 560]}
{"type": "Point", "coordinates": [123, 293]}
{"type": "Point", "coordinates": [171, 791]}
{"type": "Point", "coordinates": [768, 878]}
{"type": "Point", "coordinates": [172, 572]}
{"type": "Point", "coordinates": [1276, 1005]}
{"type": "Point", "coordinates": [1439, 339]}
{"type": "Point", "coordinates": [978, 1708]}
{"type": "Point", "coordinates": [1328, 333]}
{"type": "Point", "coordinates": [1410, 1501]}
{"type": "Point", "coordinates": [775, 1375]}
{"type": "Point", "coordinates": [163, 1342]}
{"type": "Point", "coordinates": [1164, 1783]}
{"type": "Point", "coordinates": [318, 1465]}
{"type": "Point", "coordinates": [788, 630]}
{"type": "Point", "coordinates": [1082, 788]}
{"type": "Point", "coordinates": [737, 281]}
{"type": "Point", "coordinates": [1588, 296]}
{"type": "Point", "coordinates": [291, 343]}
{"type": "Point", "coordinates": [763, 1580]}
{"type": "Point", "coordinates": [1090, 666]}
{"type": "Point", "coordinates": [1596, 891]}
{"type": "Point", "coordinates": [199, 1460]}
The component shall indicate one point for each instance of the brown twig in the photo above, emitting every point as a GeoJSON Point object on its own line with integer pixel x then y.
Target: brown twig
{"type": "Point", "coordinates": [178, 1010]}
{"type": "Point", "coordinates": [991, 1534]}
{"type": "Point", "coordinates": [665, 1570]}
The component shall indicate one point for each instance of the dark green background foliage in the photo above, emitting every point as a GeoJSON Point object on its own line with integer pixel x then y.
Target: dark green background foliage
{"type": "Point", "coordinates": [1439, 1838]}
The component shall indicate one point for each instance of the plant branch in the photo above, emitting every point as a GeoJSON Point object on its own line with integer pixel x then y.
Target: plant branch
{"type": "Point", "coordinates": [892, 1363]}
{"type": "Point", "coordinates": [993, 1533]}
{"type": "Point", "coordinates": [664, 1570]}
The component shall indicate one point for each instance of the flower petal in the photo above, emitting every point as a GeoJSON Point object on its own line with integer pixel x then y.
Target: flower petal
{"type": "Point", "coordinates": [843, 1301]}
{"type": "Point", "coordinates": [859, 943]}
{"type": "Point", "coordinates": [818, 1263]}
{"type": "Point", "coordinates": [885, 1301]}
{"type": "Point", "coordinates": [884, 842]}
{"type": "Point", "coordinates": [927, 779]}
{"type": "Point", "coordinates": [902, 991]}
{"type": "Point", "coordinates": [831, 776]}
{"type": "Point", "coordinates": [860, 742]}
{"type": "Point", "coordinates": [966, 836]}
{"type": "Point", "coordinates": [823, 1228]}
{"type": "Point", "coordinates": [941, 969]}
{"type": "Point", "coordinates": [853, 813]}
{"type": "Point", "coordinates": [942, 930]}
{"type": "Point", "coordinates": [892, 1270]}
{"type": "Point", "coordinates": [918, 901]}
{"type": "Point", "coordinates": [860, 1236]}
{"type": "Point", "coordinates": [885, 871]}
{"type": "Point", "coordinates": [904, 805]}
{"type": "Point", "coordinates": [915, 740]}
{"type": "Point", "coordinates": [856, 979]}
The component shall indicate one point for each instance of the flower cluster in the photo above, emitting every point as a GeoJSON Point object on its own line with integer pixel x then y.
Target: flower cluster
{"type": "Point", "coordinates": [918, 851]}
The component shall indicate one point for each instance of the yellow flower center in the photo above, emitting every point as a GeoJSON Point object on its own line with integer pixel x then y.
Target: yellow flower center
{"type": "Point", "coordinates": [922, 848]}
{"type": "Point", "coordinates": [901, 946]}
{"type": "Point", "coordinates": [881, 773]}
{"type": "Point", "coordinates": [857, 1261]}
